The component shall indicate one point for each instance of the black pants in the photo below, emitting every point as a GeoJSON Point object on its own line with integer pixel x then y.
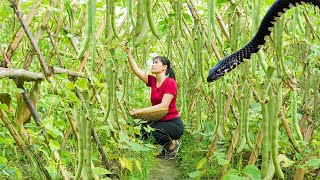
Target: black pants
{"type": "Point", "coordinates": [164, 131]}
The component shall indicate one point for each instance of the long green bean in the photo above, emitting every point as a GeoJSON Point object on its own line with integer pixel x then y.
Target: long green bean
{"type": "Point", "coordinates": [143, 33]}
{"type": "Point", "coordinates": [294, 121]}
{"type": "Point", "coordinates": [113, 16]}
{"type": "Point", "coordinates": [107, 29]}
{"type": "Point", "coordinates": [88, 33]}
{"type": "Point", "coordinates": [212, 8]}
{"type": "Point", "coordinates": [80, 142]}
{"type": "Point", "coordinates": [149, 17]}
{"type": "Point", "coordinates": [246, 116]}
{"type": "Point", "coordinates": [177, 21]}
{"type": "Point", "coordinates": [275, 132]}
{"type": "Point", "coordinates": [298, 19]}
{"type": "Point", "coordinates": [139, 17]}
{"type": "Point", "coordinates": [265, 122]}
{"type": "Point", "coordinates": [316, 95]}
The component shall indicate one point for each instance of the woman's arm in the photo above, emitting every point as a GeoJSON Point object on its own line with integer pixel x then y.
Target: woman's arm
{"type": "Point", "coordinates": [166, 100]}
{"type": "Point", "coordinates": [133, 65]}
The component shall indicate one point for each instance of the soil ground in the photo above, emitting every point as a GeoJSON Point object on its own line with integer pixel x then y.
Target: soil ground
{"type": "Point", "coordinates": [165, 170]}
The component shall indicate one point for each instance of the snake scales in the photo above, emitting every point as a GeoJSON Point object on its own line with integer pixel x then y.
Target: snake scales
{"type": "Point", "coordinates": [276, 10]}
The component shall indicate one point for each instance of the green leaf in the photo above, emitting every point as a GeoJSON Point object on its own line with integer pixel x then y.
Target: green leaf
{"type": "Point", "coordinates": [219, 2]}
{"type": "Point", "coordinates": [72, 96]}
{"type": "Point", "coordinates": [70, 86]}
{"type": "Point", "coordinates": [138, 164]}
{"type": "Point", "coordinates": [123, 137]}
{"type": "Point", "coordinates": [298, 156]}
{"type": "Point", "coordinates": [195, 174]}
{"type": "Point", "coordinates": [150, 146]}
{"type": "Point", "coordinates": [252, 172]}
{"type": "Point", "coordinates": [137, 147]}
{"type": "Point", "coordinates": [4, 107]}
{"type": "Point", "coordinates": [54, 145]}
{"type": "Point", "coordinates": [101, 171]}
{"type": "Point", "coordinates": [233, 177]}
{"type": "Point", "coordinates": [222, 161]}
{"type": "Point", "coordinates": [6, 141]}
{"type": "Point", "coordinates": [54, 132]}
{"type": "Point", "coordinates": [17, 90]}
{"type": "Point", "coordinates": [313, 162]}
{"type": "Point", "coordinates": [3, 162]}
{"type": "Point", "coordinates": [18, 173]}
{"type": "Point", "coordinates": [82, 84]}
{"type": "Point", "coordinates": [51, 168]}
{"type": "Point", "coordinates": [270, 71]}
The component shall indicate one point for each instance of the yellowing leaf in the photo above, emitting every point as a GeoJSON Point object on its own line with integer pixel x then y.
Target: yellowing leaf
{"type": "Point", "coordinates": [138, 165]}
{"type": "Point", "coordinates": [287, 161]}
{"type": "Point", "coordinates": [201, 163]}
{"type": "Point", "coordinates": [128, 165]}
{"type": "Point", "coordinates": [125, 163]}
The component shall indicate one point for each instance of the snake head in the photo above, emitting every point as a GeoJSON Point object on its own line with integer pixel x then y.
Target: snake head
{"type": "Point", "coordinates": [220, 69]}
{"type": "Point", "coordinates": [215, 73]}
{"type": "Point", "coordinates": [224, 66]}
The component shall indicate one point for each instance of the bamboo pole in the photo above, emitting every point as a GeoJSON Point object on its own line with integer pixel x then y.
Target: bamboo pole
{"type": "Point", "coordinates": [196, 15]}
{"type": "Point", "coordinates": [230, 153]}
{"type": "Point", "coordinates": [20, 33]}
{"type": "Point", "coordinates": [38, 165]}
{"type": "Point", "coordinates": [34, 43]}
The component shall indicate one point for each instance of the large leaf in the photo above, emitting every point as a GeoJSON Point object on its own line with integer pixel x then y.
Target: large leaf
{"type": "Point", "coordinates": [54, 145]}
{"type": "Point", "coordinates": [233, 175]}
{"type": "Point", "coordinates": [222, 161]}
{"type": "Point", "coordinates": [137, 147]}
{"type": "Point", "coordinates": [82, 84]}
{"type": "Point", "coordinates": [313, 162]}
{"type": "Point", "coordinates": [54, 132]}
{"type": "Point", "coordinates": [6, 141]}
{"type": "Point", "coordinates": [101, 171]}
{"type": "Point", "coordinates": [195, 174]}
{"type": "Point", "coordinates": [252, 172]}
{"type": "Point", "coordinates": [126, 163]}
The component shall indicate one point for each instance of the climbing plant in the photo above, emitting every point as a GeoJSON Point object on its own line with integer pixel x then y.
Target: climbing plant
{"type": "Point", "coordinates": [260, 121]}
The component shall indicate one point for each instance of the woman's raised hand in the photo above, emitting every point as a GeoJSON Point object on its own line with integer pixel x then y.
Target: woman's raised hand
{"type": "Point", "coordinates": [127, 50]}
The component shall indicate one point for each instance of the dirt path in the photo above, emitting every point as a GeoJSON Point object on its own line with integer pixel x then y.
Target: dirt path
{"type": "Point", "coordinates": [165, 170]}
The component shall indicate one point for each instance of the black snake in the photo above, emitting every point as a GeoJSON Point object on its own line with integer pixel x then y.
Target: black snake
{"type": "Point", "coordinates": [276, 10]}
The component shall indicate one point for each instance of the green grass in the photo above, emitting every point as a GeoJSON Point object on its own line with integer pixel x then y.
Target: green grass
{"type": "Point", "coordinates": [192, 151]}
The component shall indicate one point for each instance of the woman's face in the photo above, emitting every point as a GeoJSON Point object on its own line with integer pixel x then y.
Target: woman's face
{"type": "Point", "coordinates": [157, 67]}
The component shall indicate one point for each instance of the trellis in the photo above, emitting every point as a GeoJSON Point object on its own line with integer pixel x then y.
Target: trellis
{"type": "Point", "coordinates": [228, 101]}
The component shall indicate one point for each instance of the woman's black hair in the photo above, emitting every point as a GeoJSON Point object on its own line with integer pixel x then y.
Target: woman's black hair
{"type": "Point", "coordinates": [165, 61]}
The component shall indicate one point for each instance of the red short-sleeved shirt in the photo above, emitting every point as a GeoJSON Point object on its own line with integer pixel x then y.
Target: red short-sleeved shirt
{"type": "Point", "coordinates": [168, 86]}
